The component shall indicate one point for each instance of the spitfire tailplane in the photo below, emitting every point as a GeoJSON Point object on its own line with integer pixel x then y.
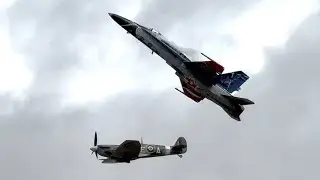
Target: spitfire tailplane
{"type": "Point", "coordinates": [231, 81]}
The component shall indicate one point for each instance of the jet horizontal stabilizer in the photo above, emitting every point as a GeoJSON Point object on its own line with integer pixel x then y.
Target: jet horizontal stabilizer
{"type": "Point", "coordinates": [239, 100]}
{"type": "Point", "coordinates": [233, 114]}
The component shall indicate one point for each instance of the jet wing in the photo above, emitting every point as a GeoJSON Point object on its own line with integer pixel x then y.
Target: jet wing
{"type": "Point", "coordinates": [190, 89]}
{"type": "Point", "coordinates": [214, 65]}
{"type": "Point", "coordinates": [127, 150]}
{"type": "Point", "coordinates": [204, 71]}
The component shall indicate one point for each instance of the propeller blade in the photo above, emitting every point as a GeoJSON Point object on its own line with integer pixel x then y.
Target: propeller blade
{"type": "Point", "coordinates": [95, 139]}
{"type": "Point", "coordinates": [92, 152]}
{"type": "Point", "coordinates": [96, 154]}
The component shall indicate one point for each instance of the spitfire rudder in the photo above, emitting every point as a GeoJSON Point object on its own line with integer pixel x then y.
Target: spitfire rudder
{"type": "Point", "coordinates": [180, 146]}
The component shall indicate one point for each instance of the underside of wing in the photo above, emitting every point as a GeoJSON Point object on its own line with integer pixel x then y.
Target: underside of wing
{"type": "Point", "coordinates": [109, 161]}
{"type": "Point", "coordinates": [190, 89]}
{"type": "Point", "coordinates": [149, 156]}
{"type": "Point", "coordinates": [128, 150]}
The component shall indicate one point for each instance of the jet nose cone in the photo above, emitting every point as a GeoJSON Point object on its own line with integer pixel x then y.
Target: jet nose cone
{"type": "Point", "coordinates": [120, 20]}
{"type": "Point", "coordinates": [112, 15]}
{"type": "Point", "coordinates": [128, 25]}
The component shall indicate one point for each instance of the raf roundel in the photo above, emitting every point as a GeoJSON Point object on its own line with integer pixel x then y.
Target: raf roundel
{"type": "Point", "coordinates": [150, 148]}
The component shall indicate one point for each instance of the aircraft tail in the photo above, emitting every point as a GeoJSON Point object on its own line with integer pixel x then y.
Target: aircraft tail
{"type": "Point", "coordinates": [239, 100]}
{"type": "Point", "coordinates": [235, 114]}
{"type": "Point", "coordinates": [180, 146]}
{"type": "Point", "coordinates": [231, 81]}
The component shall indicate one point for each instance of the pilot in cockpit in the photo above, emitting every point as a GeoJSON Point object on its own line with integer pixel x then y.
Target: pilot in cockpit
{"type": "Point", "coordinates": [155, 31]}
{"type": "Point", "coordinates": [152, 30]}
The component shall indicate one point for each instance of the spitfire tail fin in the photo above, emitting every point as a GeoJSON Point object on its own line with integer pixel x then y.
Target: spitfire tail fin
{"type": "Point", "coordinates": [231, 81]}
{"type": "Point", "coordinates": [180, 146]}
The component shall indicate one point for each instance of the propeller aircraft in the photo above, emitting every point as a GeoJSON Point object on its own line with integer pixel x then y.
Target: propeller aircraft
{"type": "Point", "coordinates": [131, 150]}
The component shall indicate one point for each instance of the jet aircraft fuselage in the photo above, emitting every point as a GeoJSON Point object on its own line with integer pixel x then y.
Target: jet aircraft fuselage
{"type": "Point", "coordinates": [199, 79]}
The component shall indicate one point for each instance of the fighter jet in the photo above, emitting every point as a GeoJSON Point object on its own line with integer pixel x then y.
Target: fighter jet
{"type": "Point", "coordinates": [131, 150]}
{"type": "Point", "coordinates": [199, 79]}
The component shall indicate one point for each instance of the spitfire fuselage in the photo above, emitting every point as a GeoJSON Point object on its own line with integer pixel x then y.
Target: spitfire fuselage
{"type": "Point", "coordinates": [146, 151]}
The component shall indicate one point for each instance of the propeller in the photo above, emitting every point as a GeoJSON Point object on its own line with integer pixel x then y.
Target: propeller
{"type": "Point", "coordinates": [95, 139]}
{"type": "Point", "coordinates": [94, 149]}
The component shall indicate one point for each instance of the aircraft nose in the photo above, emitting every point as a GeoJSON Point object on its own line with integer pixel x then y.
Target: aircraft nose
{"type": "Point", "coordinates": [119, 19]}
{"type": "Point", "coordinates": [93, 149]}
{"type": "Point", "coordinates": [124, 23]}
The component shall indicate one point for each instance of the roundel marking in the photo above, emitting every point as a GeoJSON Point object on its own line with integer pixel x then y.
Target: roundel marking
{"type": "Point", "coordinates": [150, 148]}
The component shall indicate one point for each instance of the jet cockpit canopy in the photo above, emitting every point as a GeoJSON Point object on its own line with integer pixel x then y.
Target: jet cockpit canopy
{"type": "Point", "coordinates": [155, 31]}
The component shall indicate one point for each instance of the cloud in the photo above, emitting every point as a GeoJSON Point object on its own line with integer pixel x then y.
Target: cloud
{"type": "Point", "coordinates": [218, 28]}
{"type": "Point", "coordinates": [14, 76]}
{"type": "Point", "coordinates": [47, 32]}
{"type": "Point", "coordinates": [59, 38]}
{"type": "Point", "coordinates": [43, 138]}
{"type": "Point", "coordinates": [67, 47]}
{"type": "Point", "coordinates": [276, 140]}
{"type": "Point", "coordinates": [167, 14]}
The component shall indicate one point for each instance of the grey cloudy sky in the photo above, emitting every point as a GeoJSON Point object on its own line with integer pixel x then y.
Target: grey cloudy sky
{"type": "Point", "coordinates": [67, 70]}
